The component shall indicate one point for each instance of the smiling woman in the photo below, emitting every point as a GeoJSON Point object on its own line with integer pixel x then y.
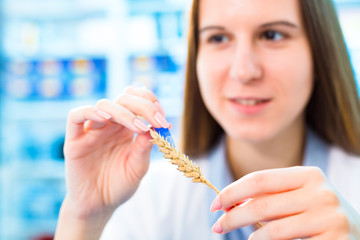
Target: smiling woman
{"type": "Point", "coordinates": [319, 24]}
{"type": "Point", "coordinates": [271, 116]}
{"type": "Point", "coordinates": [253, 79]}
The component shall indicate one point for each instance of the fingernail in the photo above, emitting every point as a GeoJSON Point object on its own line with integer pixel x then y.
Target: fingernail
{"type": "Point", "coordinates": [252, 236]}
{"type": "Point", "coordinates": [157, 104]}
{"type": "Point", "coordinates": [216, 204]}
{"type": "Point", "coordinates": [161, 120]}
{"type": "Point", "coordinates": [139, 124]}
{"type": "Point", "coordinates": [103, 114]}
{"type": "Point", "coordinates": [217, 228]}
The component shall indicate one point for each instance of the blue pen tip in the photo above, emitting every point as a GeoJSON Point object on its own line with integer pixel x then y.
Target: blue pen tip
{"type": "Point", "coordinates": [165, 133]}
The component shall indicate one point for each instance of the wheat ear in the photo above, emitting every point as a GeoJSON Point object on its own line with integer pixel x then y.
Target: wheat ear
{"type": "Point", "coordinates": [185, 165]}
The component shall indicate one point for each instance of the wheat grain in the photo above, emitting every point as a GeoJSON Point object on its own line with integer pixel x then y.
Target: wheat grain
{"type": "Point", "coordinates": [185, 165]}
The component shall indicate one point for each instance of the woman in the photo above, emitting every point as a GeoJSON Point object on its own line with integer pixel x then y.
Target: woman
{"type": "Point", "coordinates": [269, 87]}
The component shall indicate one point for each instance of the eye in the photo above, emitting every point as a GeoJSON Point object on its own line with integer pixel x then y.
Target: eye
{"type": "Point", "coordinates": [218, 38]}
{"type": "Point", "coordinates": [272, 35]}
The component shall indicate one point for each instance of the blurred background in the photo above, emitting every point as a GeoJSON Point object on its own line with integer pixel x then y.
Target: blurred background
{"type": "Point", "coordinates": [60, 54]}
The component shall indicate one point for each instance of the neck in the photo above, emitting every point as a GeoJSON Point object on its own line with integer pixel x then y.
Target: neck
{"type": "Point", "coordinates": [285, 150]}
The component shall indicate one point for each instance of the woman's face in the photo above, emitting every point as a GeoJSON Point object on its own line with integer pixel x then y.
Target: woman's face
{"type": "Point", "coordinates": [254, 66]}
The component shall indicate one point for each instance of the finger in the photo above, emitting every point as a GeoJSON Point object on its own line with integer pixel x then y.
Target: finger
{"type": "Point", "coordinates": [143, 92]}
{"type": "Point", "coordinates": [92, 125]}
{"type": "Point", "coordinates": [266, 208]}
{"type": "Point", "coordinates": [122, 115]}
{"type": "Point", "coordinates": [304, 225]}
{"type": "Point", "coordinates": [138, 163]}
{"type": "Point", "coordinates": [141, 148]}
{"type": "Point", "coordinates": [78, 116]}
{"type": "Point", "coordinates": [326, 236]}
{"type": "Point", "coordinates": [263, 182]}
{"type": "Point", "coordinates": [143, 107]}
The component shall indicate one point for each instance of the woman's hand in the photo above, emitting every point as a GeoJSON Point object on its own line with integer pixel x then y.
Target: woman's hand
{"type": "Point", "coordinates": [104, 162]}
{"type": "Point", "coordinates": [295, 202]}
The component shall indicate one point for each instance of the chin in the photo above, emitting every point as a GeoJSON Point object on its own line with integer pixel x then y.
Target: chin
{"type": "Point", "coordinates": [253, 134]}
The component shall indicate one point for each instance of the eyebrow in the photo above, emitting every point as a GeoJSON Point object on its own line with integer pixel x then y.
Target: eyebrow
{"type": "Point", "coordinates": [270, 24]}
{"type": "Point", "coordinates": [211, 28]}
{"type": "Point", "coordinates": [286, 23]}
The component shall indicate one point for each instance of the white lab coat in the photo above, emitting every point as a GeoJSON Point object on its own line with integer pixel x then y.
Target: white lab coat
{"type": "Point", "coordinates": [169, 207]}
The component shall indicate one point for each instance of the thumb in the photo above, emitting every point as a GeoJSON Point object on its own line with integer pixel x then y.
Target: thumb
{"type": "Point", "coordinates": [141, 149]}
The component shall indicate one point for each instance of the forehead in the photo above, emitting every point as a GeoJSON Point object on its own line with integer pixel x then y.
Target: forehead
{"type": "Point", "coordinates": [246, 11]}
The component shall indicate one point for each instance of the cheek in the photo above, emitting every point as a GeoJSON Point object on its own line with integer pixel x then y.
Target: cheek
{"type": "Point", "coordinates": [293, 79]}
{"type": "Point", "coordinates": [207, 66]}
{"type": "Point", "coordinates": [209, 73]}
{"type": "Point", "coordinates": [302, 84]}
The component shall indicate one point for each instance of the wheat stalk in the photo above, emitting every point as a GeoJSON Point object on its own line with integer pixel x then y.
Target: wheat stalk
{"type": "Point", "coordinates": [185, 165]}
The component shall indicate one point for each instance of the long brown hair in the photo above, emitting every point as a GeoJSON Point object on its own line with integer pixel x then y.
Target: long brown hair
{"type": "Point", "coordinates": [334, 108]}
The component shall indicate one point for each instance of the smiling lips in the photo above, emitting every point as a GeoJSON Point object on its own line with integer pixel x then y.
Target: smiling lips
{"type": "Point", "coordinates": [250, 102]}
{"type": "Point", "coordinates": [249, 105]}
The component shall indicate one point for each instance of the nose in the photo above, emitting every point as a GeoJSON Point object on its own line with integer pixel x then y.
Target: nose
{"type": "Point", "coordinates": [245, 65]}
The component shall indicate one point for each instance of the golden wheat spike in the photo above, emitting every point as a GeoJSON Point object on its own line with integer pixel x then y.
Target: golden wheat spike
{"type": "Point", "coordinates": [185, 165]}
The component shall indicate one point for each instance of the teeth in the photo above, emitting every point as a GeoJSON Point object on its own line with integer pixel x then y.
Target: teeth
{"type": "Point", "coordinates": [248, 102]}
